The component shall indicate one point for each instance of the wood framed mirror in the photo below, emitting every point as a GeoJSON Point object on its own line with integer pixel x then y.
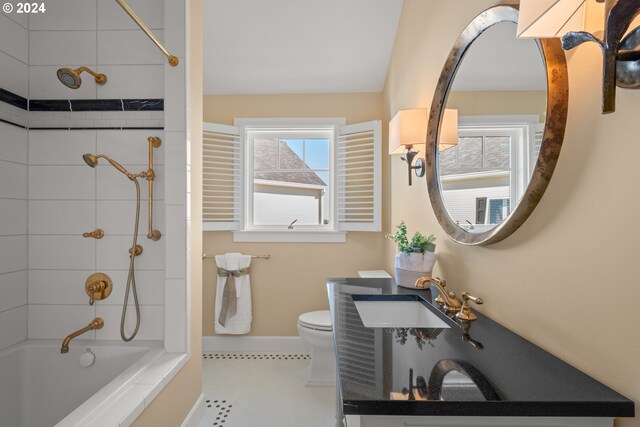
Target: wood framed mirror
{"type": "Point", "coordinates": [511, 99]}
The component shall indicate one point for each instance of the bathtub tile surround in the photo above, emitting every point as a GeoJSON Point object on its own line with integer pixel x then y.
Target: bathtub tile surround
{"type": "Point", "coordinates": [13, 183]}
{"type": "Point", "coordinates": [68, 198]}
{"type": "Point", "coordinates": [13, 235]}
{"type": "Point", "coordinates": [49, 197]}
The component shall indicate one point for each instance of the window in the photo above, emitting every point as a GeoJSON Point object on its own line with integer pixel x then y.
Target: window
{"type": "Point", "coordinates": [291, 179]}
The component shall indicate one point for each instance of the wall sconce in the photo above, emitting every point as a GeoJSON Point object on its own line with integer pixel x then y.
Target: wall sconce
{"type": "Point", "coordinates": [565, 18]}
{"type": "Point", "coordinates": [408, 128]}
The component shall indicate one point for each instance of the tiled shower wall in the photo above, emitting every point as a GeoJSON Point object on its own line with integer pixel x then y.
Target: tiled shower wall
{"type": "Point", "coordinates": [68, 198]}
{"type": "Point", "coordinates": [13, 187]}
{"type": "Point", "coordinates": [54, 197]}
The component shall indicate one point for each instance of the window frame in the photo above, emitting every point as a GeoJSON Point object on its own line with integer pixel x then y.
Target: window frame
{"type": "Point", "coordinates": [249, 128]}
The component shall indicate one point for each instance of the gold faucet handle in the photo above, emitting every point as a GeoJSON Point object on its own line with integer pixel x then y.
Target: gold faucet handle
{"type": "Point", "coordinates": [98, 233]}
{"type": "Point", "coordinates": [465, 312]}
{"type": "Point", "coordinates": [98, 286]}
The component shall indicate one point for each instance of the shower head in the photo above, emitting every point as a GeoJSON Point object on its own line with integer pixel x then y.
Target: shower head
{"type": "Point", "coordinates": [92, 160]}
{"type": "Point", "coordinates": [71, 78]}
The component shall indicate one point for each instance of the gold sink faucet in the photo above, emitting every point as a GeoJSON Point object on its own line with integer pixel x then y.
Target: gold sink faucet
{"type": "Point", "coordinates": [450, 301]}
{"type": "Point", "coordinates": [96, 323]}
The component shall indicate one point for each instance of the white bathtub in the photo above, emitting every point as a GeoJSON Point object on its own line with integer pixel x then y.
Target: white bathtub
{"type": "Point", "coordinates": [40, 387]}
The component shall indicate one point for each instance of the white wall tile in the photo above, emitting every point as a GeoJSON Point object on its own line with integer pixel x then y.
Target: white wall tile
{"type": "Point", "coordinates": [113, 185]}
{"type": "Point", "coordinates": [13, 253]}
{"type": "Point", "coordinates": [20, 18]}
{"type": "Point", "coordinates": [13, 180]}
{"type": "Point", "coordinates": [175, 103]}
{"type": "Point", "coordinates": [176, 242]}
{"type": "Point", "coordinates": [132, 81]}
{"type": "Point", "coordinates": [14, 217]}
{"type": "Point", "coordinates": [139, 50]}
{"type": "Point", "coordinates": [13, 288]}
{"type": "Point", "coordinates": [13, 326]}
{"type": "Point", "coordinates": [64, 287]}
{"type": "Point", "coordinates": [13, 143]}
{"type": "Point", "coordinates": [175, 28]}
{"type": "Point", "coordinates": [118, 217]}
{"type": "Point", "coordinates": [60, 147]}
{"type": "Point", "coordinates": [113, 254]}
{"type": "Point", "coordinates": [58, 321]}
{"type": "Point", "coordinates": [14, 75]}
{"type": "Point", "coordinates": [14, 39]}
{"type": "Point", "coordinates": [62, 48]}
{"type": "Point", "coordinates": [44, 84]}
{"type": "Point", "coordinates": [61, 253]}
{"type": "Point", "coordinates": [130, 147]}
{"type": "Point", "coordinates": [151, 322]}
{"type": "Point", "coordinates": [176, 310]}
{"type": "Point", "coordinates": [62, 182]}
{"type": "Point", "coordinates": [149, 285]}
{"type": "Point", "coordinates": [65, 15]}
{"type": "Point", "coordinates": [61, 217]}
{"type": "Point", "coordinates": [175, 168]}
{"type": "Point", "coordinates": [112, 17]}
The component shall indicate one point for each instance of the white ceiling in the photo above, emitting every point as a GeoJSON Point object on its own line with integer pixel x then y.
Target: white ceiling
{"type": "Point", "coordinates": [297, 46]}
{"type": "Point", "coordinates": [498, 61]}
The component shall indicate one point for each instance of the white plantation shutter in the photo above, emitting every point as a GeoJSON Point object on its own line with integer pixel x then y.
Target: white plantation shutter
{"type": "Point", "coordinates": [358, 163]}
{"type": "Point", "coordinates": [222, 177]}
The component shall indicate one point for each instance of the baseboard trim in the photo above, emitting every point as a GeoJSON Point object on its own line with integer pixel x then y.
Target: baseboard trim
{"type": "Point", "coordinates": [196, 414]}
{"type": "Point", "coordinates": [236, 343]}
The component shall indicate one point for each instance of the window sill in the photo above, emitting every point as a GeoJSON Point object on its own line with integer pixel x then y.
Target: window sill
{"type": "Point", "coordinates": [291, 236]}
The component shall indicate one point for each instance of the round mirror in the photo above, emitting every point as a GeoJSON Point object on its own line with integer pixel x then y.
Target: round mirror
{"type": "Point", "coordinates": [495, 128]}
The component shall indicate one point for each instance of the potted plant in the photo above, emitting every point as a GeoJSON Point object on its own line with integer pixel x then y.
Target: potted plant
{"type": "Point", "coordinates": [415, 257]}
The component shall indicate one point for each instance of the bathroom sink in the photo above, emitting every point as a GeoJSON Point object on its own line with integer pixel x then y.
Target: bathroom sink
{"type": "Point", "coordinates": [396, 311]}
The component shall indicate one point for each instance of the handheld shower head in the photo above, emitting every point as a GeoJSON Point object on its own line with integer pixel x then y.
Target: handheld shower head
{"type": "Point", "coordinates": [71, 78]}
{"type": "Point", "coordinates": [92, 160]}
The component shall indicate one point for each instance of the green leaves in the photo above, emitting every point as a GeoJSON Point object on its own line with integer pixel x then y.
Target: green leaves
{"type": "Point", "coordinates": [419, 243]}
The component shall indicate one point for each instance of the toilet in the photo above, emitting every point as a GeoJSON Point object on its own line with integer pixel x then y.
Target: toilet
{"type": "Point", "coordinates": [315, 328]}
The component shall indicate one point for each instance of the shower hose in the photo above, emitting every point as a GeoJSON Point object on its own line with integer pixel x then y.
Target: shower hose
{"type": "Point", "coordinates": [131, 278]}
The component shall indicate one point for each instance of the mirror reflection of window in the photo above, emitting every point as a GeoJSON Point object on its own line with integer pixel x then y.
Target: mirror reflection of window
{"type": "Point", "coordinates": [499, 91]}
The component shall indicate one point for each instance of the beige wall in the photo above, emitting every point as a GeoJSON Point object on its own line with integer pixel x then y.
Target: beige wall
{"type": "Point", "coordinates": [568, 278]}
{"type": "Point", "coordinates": [174, 402]}
{"type": "Point", "coordinates": [293, 281]}
{"type": "Point", "coordinates": [499, 102]}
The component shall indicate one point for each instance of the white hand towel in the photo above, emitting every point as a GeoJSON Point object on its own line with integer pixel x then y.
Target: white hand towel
{"type": "Point", "coordinates": [240, 323]}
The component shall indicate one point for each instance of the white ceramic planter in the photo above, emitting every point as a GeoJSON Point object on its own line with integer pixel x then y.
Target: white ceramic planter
{"type": "Point", "coordinates": [409, 267]}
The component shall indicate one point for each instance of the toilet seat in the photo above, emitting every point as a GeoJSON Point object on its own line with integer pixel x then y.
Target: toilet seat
{"type": "Point", "coordinates": [316, 320]}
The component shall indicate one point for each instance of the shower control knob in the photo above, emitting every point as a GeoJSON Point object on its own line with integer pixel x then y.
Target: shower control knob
{"type": "Point", "coordinates": [98, 286]}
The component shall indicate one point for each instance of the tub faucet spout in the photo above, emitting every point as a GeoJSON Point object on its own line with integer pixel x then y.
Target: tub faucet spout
{"type": "Point", "coordinates": [96, 323]}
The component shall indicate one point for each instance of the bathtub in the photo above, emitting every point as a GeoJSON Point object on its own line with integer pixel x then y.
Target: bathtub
{"type": "Point", "coordinates": [41, 387]}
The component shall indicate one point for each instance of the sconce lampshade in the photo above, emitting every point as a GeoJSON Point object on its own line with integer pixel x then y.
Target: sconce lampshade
{"type": "Point", "coordinates": [448, 130]}
{"type": "Point", "coordinates": [407, 128]}
{"type": "Point", "coordinates": [550, 18]}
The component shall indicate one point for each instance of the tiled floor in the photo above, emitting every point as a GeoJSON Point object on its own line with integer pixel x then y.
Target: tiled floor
{"type": "Point", "coordinates": [263, 390]}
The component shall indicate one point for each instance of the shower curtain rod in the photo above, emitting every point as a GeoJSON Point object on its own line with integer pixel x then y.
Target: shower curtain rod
{"type": "Point", "coordinates": [265, 256]}
{"type": "Point", "coordinates": [173, 61]}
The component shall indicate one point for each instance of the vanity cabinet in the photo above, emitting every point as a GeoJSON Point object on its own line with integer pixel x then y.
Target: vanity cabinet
{"type": "Point", "coordinates": [453, 373]}
{"type": "Point", "coordinates": [391, 421]}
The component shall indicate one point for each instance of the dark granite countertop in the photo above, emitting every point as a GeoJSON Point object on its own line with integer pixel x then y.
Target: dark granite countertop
{"type": "Point", "coordinates": [481, 369]}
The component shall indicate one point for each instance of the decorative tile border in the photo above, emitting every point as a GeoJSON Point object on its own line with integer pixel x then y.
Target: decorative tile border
{"type": "Point", "coordinates": [256, 356]}
{"type": "Point", "coordinates": [81, 113]}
